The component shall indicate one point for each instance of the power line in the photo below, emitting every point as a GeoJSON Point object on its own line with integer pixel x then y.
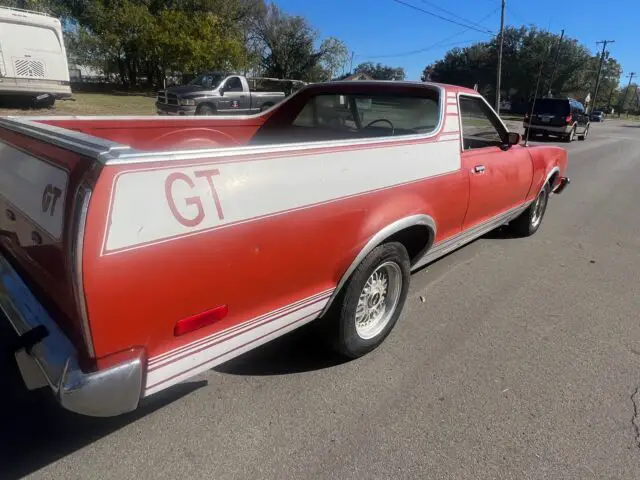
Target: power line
{"type": "Point", "coordinates": [470, 27]}
{"type": "Point", "coordinates": [454, 15]}
{"type": "Point", "coordinates": [440, 43]}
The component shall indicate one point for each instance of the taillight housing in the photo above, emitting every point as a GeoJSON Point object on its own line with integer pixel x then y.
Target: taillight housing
{"type": "Point", "coordinates": [568, 119]}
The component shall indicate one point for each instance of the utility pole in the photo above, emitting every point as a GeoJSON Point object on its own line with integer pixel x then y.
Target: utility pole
{"type": "Point", "coordinates": [501, 44]}
{"type": "Point", "coordinates": [351, 64]}
{"type": "Point", "coordinates": [555, 63]}
{"type": "Point", "coordinates": [595, 93]}
{"type": "Point", "coordinates": [624, 99]}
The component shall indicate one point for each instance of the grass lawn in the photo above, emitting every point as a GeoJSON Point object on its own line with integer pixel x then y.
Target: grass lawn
{"type": "Point", "coordinates": [92, 104]}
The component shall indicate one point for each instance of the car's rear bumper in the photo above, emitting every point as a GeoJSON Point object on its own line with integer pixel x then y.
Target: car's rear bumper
{"type": "Point", "coordinates": [45, 356]}
{"type": "Point", "coordinates": [561, 185]}
{"type": "Point", "coordinates": [548, 128]}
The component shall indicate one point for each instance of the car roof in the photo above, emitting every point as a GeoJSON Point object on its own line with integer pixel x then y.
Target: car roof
{"type": "Point", "coordinates": [391, 83]}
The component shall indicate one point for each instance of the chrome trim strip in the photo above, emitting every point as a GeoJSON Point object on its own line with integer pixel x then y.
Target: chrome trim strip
{"type": "Point", "coordinates": [377, 239]}
{"type": "Point", "coordinates": [446, 246]}
{"type": "Point", "coordinates": [550, 174]}
{"type": "Point", "coordinates": [88, 145]}
{"type": "Point", "coordinates": [81, 206]}
{"type": "Point", "coordinates": [102, 393]}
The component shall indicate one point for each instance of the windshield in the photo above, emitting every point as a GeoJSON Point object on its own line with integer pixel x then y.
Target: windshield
{"type": "Point", "coordinates": [552, 106]}
{"type": "Point", "coordinates": [207, 80]}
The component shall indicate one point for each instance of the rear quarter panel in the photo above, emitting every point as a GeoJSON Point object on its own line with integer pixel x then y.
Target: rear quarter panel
{"type": "Point", "coordinates": [547, 160]}
{"type": "Point", "coordinates": [279, 228]}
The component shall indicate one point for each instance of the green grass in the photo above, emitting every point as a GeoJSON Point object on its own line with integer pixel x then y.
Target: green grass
{"type": "Point", "coordinates": [93, 104]}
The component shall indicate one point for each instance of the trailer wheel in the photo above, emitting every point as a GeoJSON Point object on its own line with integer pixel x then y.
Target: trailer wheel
{"type": "Point", "coordinates": [366, 311]}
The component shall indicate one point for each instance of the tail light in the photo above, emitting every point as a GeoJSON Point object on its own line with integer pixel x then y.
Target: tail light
{"type": "Point", "coordinates": [568, 119]}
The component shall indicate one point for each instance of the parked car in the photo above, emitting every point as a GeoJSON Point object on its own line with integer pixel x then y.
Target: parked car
{"type": "Point", "coordinates": [33, 59]}
{"type": "Point", "coordinates": [219, 93]}
{"type": "Point", "coordinates": [561, 117]}
{"type": "Point", "coordinates": [597, 116]}
{"type": "Point", "coordinates": [140, 251]}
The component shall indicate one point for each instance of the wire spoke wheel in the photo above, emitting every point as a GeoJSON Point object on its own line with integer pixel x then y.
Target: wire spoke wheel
{"type": "Point", "coordinates": [538, 209]}
{"type": "Point", "coordinates": [378, 300]}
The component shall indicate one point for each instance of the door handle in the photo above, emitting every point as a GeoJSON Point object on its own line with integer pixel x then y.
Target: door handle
{"type": "Point", "coordinates": [478, 169]}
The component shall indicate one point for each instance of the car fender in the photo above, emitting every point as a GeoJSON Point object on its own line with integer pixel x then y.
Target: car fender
{"type": "Point", "coordinates": [383, 223]}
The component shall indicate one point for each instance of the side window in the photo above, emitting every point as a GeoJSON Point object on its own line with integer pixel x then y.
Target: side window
{"type": "Point", "coordinates": [363, 116]}
{"type": "Point", "coordinates": [233, 85]}
{"type": "Point", "coordinates": [480, 126]}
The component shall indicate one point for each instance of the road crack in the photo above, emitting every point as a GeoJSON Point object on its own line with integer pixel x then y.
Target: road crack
{"type": "Point", "coordinates": [635, 420]}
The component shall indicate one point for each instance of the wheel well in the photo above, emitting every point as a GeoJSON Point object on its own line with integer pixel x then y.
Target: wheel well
{"type": "Point", "coordinates": [206, 104]}
{"type": "Point", "coordinates": [417, 239]}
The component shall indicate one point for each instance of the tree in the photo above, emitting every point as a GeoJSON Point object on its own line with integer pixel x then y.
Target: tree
{"type": "Point", "coordinates": [287, 48]}
{"type": "Point", "coordinates": [379, 71]}
{"type": "Point", "coordinates": [149, 37]}
{"type": "Point", "coordinates": [525, 50]}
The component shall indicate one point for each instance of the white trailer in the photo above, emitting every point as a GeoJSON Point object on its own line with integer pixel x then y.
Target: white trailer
{"type": "Point", "coordinates": [33, 59]}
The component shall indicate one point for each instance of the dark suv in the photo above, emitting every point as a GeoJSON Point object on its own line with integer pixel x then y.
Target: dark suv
{"type": "Point", "coordinates": [562, 117]}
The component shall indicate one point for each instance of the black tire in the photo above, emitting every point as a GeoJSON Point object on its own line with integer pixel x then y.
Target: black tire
{"type": "Point", "coordinates": [529, 221]}
{"type": "Point", "coordinates": [206, 109]}
{"type": "Point", "coordinates": [345, 336]}
{"type": "Point", "coordinates": [583, 137]}
{"type": "Point", "coordinates": [570, 136]}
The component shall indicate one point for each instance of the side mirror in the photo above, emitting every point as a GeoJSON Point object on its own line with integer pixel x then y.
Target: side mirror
{"type": "Point", "coordinates": [514, 138]}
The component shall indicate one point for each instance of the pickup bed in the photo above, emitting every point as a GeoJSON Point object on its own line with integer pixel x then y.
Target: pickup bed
{"type": "Point", "coordinates": [136, 252]}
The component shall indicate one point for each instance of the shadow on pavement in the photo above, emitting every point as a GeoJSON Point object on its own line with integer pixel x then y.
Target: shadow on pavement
{"type": "Point", "coordinates": [299, 351]}
{"type": "Point", "coordinates": [35, 431]}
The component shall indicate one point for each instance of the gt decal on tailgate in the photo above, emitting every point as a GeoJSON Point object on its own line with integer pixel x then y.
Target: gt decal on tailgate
{"type": "Point", "coordinates": [33, 187]}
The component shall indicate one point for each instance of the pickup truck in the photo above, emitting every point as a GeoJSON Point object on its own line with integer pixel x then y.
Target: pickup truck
{"type": "Point", "coordinates": [222, 94]}
{"type": "Point", "coordinates": [136, 252]}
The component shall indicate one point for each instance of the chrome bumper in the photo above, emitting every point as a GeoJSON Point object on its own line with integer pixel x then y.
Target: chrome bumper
{"type": "Point", "coordinates": [47, 357]}
{"type": "Point", "coordinates": [561, 185]}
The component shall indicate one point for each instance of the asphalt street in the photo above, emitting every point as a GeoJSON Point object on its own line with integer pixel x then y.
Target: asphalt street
{"type": "Point", "coordinates": [514, 359]}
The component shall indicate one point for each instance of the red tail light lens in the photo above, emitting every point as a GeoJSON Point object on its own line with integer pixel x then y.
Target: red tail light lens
{"type": "Point", "coordinates": [200, 320]}
{"type": "Point", "coordinates": [568, 119]}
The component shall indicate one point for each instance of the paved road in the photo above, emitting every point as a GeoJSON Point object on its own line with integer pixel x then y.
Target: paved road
{"type": "Point", "coordinates": [521, 363]}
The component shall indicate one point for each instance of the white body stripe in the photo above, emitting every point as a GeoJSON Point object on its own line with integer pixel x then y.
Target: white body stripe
{"type": "Point", "coordinates": [180, 364]}
{"type": "Point", "coordinates": [452, 109]}
{"type": "Point", "coordinates": [451, 124]}
{"type": "Point", "coordinates": [140, 213]}
{"type": "Point", "coordinates": [35, 187]}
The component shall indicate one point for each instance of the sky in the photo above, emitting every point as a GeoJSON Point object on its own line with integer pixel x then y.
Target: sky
{"type": "Point", "coordinates": [391, 33]}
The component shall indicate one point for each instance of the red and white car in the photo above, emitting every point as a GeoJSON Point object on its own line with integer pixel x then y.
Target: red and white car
{"type": "Point", "coordinates": [136, 252]}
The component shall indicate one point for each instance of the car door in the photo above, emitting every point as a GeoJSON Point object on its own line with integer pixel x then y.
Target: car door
{"type": "Point", "coordinates": [499, 176]}
{"type": "Point", "coordinates": [234, 97]}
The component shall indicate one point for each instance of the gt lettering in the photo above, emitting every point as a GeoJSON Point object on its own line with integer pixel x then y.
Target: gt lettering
{"type": "Point", "coordinates": [191, 218]}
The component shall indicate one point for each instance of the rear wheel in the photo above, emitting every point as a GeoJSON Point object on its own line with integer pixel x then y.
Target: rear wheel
{"type": "Point", "coordinates": [530, 220]}
{"type": "Point", "coordinates": [583, 137]}
{"type": "Point", "coordinates": [368, 308]}
{"type": "Point", "coordinates": [570, 136]}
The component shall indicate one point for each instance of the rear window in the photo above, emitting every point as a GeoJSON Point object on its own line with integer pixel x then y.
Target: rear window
{"type": "Point", "coordinates": [376, 114]}
{"type": "Point", "coordinates": [552, 107]}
